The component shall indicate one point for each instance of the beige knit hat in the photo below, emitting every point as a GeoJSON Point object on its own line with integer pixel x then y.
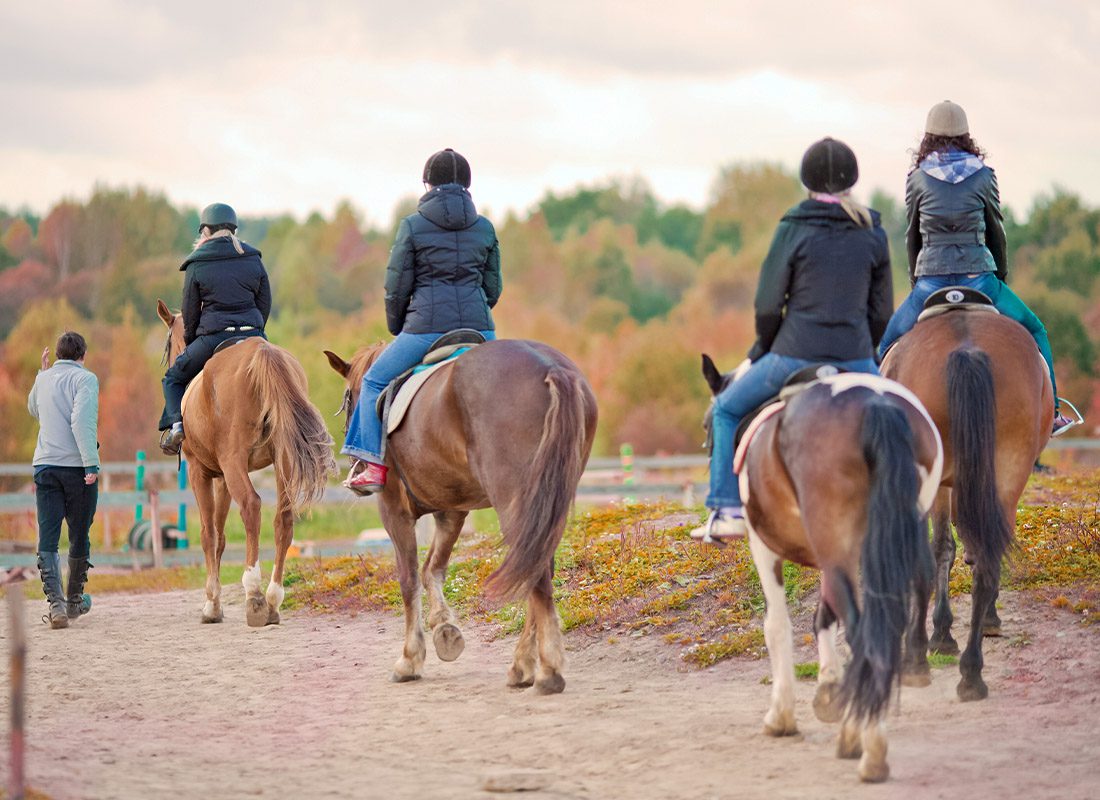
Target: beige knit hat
{"type": "Point", "coordinates": [946, 119]}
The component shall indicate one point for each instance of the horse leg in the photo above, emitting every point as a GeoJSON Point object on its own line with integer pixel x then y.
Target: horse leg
{"type": "Point", "coordinates": [943, 550]}
{"type": "Point", "coordinates": [551, 647]}
{"type": "Point", "coordinates": [779, 721]}
{"type": "Point", "coordinates": [522, 671]}
{"type": "Point", "coordinates": [872, 765]}
{"type": "Point", "coordinates": [991, 625]}
{"type": "Point", "coordinates": [284, 534]}
{"type": "Point", "coordinates": [914, 664]}
{"type": "Point", "coordinates": [240, 488]}
{"type": "Point", "coordinates": [401, 527]}
{"type": "Point", "coordinates": [971, 686]}
{"type": "Point", "coordinates": [201, 485]}
{"type": "Point", "coordinates": [446, 637]}
{"type": "Point", "coordinates": [827, 705]}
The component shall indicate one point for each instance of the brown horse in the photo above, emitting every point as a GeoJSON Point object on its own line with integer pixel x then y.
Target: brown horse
{"type": "Point", "coordinates": [840, 479]}
{"type": "Point", "coordinates": [983, 381]}
{"type": "Point", "coordinates": [249, 409]}
{"type": "Point", "coordinates": [508, 425]}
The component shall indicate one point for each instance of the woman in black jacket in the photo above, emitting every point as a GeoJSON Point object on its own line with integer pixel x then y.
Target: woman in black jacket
{"type": "Point", "coordinates": [824, 295]}
{"type": "Point", "coordinates": [956, 235]}
{"type": "Point", "coordinates": [225, 294]}
{"type": "Point", "coordinates": [443, 274]}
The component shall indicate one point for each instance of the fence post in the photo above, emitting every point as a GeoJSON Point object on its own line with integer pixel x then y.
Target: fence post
{"type": "Point", "coordinates": [139, 482]}
{"type": "Point", "coordinates": [181, 519]}
{"type": "Point", "coordinates": [18, 683]}
{"type": "Point", "coordinates": [626, 459]}
{"type": "Point", "coordinates": [154, 529]}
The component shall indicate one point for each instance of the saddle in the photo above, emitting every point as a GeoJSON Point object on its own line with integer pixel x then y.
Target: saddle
{"type": "Point", "coordinates": [797, 382]}
{"type": "Point", "coordinates": [956, 298]}
{"type": "Point", "coordinates": [395, 398]}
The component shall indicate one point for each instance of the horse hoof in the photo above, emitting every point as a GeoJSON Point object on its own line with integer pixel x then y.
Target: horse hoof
{"type": "Point", "coordinates": [555, 684]}
{"type": "Point", "coordinates": [827, 702]}
{"type": "Point", "coordinates": [257, 612]}
{"type": "Point", "coordinates": [917, 678]}
{"type": "Point", "coordinates": [397, 677]}
{"type": "Point", "coordinates": [946, 646]}
{"type": "Point", "coordinates": [874, 773]}
{"type": "Point", "coordinates": [518, 679]}
{"type": "Point", "coordinates": [849, 747]}
{"type": "Point", "coordinates": [273, 618]}
{"type": "Point", "coordinates": [448, 642]}
{"type": "Point", "coordinates": [992, 631]}
{"type": "Point", "coordinates": [970, 691]}
{"type": "Point", "coordinates": [211, 619]}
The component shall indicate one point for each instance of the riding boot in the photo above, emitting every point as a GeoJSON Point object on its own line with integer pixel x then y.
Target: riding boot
{"type": "Point", "coordinates": [49, 566]}
{"type": "Point", "coordinates": [78, 602]}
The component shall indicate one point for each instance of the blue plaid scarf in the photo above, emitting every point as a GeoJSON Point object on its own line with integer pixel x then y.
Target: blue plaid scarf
{"type": "Point", "coordinates": [952, 166]}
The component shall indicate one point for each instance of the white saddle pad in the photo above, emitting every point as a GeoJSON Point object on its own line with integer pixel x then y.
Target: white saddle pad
{"type": "Point", "coordinates": [408, 390]}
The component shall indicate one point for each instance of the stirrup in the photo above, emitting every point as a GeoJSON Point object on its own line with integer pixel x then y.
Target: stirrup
{"type": "Point", "coordinates": [1073, 423]}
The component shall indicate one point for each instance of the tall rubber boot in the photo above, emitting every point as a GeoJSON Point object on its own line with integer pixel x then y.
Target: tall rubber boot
{"type": "Point", "coordinates": [78, 603]}
{"type": "Point", "coordinates": [49, 566]}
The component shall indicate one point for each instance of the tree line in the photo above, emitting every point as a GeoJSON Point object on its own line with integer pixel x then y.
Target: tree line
{"type": "Point", "coordinates": [631, 288]}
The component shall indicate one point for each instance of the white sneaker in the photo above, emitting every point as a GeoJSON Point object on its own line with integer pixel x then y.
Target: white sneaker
{"type": "Point", "coordinates": [724, 524]}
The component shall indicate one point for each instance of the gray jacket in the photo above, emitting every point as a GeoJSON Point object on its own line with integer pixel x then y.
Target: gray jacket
{"type": "Point", "coordinates": [65, 401]}
{"type": "Point", "coordinates": [954, 228]}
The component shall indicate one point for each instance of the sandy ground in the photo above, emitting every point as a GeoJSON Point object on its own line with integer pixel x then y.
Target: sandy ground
{"type": "Point", "coordinates": [138, 700]}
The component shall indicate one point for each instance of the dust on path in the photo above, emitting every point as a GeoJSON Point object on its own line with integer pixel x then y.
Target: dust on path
{"type": "Point", "coordinates": [138, 700]}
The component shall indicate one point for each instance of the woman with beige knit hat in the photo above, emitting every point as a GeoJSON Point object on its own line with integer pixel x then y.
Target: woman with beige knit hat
{"type": "Point", "coordinates": [956, 233]}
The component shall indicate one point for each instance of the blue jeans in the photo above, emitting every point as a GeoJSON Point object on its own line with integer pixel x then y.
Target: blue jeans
{"type": "Point", "coordinates": [763, 380]}
{"type": "Point", "coordinates": [1004, 299]}
{"type": "Point", "coordinates": [364, 439]}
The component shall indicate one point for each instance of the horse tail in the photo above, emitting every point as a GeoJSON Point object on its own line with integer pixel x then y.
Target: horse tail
{"type": "Point", "coordinates": [972, 409]}
{"type": "Point", "coordinates": [542, 507]}
{"type": "Point", "coordinates": [292, 426]}
{"type": "Point", "coordinates": [895, 560]}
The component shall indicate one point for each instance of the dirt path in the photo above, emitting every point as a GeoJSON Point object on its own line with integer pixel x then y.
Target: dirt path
{"type": "Point", "coordinates": [138, 700]}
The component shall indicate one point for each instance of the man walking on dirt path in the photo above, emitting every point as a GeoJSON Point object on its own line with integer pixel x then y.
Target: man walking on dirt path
{"type": "Point", "coordinates": [65, 401]}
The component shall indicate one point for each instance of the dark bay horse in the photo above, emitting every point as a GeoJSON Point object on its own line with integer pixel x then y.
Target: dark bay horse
{"type": "Point", "coordinates": [986, 386]}
{"type": "Point", "coordinates": [841, 479]}
{"type": "Point", "coordinates": [509, 425]}
{"type": "Point", "coordinates": [249, 409]}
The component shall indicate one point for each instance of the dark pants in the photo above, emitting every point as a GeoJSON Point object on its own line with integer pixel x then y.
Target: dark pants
{"type": "Point", "coordinates": [186, 367]}
{"type": "Point", "coordinates": [61, 494]}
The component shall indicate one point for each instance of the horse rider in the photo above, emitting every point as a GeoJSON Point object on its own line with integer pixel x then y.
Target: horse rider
{"type": "Point", "coordinates": [443, 274]}
{"type": "Point", "coordinates": [956, 233]}
{"type": "Point", "coordinates": [825, 295]}
{"type": "Point", "coordinates": [226, 294]}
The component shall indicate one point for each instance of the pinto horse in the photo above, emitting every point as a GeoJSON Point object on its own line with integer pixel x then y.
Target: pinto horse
{"type": "Point", "coordinates": [249, 409]}
{"type": "Point", "coordinates": [509, 425]}
{"type": "Point", "coordinates": [840, 478]}
{"type": "Point", "coordinates": [986, 386]}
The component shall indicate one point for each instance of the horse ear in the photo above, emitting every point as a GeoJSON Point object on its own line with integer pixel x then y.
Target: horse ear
{"type": "Point", "coordinates": [338, 363]}
{"type": "Point", "coordinates": [712, 375]}
{"type": "Point", "coordinates": [165, 314]}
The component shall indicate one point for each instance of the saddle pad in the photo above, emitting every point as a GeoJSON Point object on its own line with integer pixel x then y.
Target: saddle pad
{"type": "Point", "coordinates": [935, 311]}
{"type": "Point", "coordinates": [408, 390]}
{"type": "Point", "coordinates": [767, 413]}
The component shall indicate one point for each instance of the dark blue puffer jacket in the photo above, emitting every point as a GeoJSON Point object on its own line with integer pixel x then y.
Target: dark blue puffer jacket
{"type": "Point", "coordinates": [444, 268]}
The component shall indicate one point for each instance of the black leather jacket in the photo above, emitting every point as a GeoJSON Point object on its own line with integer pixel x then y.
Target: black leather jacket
{"type": "Point", "coordinates": [954, 228]}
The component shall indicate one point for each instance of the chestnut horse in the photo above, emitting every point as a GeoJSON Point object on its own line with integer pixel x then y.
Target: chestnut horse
{"type": "Point", "coordinates": [249, 409]}
{"type": "Point", "coordinates": [840, 479]}
{"type": "Point", "coordinates": [986, 386]}
{"type": "Point", "coordinates": [509, 425]}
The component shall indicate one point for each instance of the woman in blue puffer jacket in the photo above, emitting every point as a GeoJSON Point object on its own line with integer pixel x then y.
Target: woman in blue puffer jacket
{"type": "Point", "coordinates": [443, 274]}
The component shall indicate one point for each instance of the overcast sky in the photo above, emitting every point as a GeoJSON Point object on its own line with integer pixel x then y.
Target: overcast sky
{"type": "Point", "coordinates": [280, 106]}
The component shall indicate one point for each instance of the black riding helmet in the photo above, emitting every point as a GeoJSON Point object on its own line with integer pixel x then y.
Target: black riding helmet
{"type": "Point", "coordinates": [218, 215]}
{"type": "Point", "coordinates": [829, 166]}
{"type": "Point", "coordinates": [447, 166]}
